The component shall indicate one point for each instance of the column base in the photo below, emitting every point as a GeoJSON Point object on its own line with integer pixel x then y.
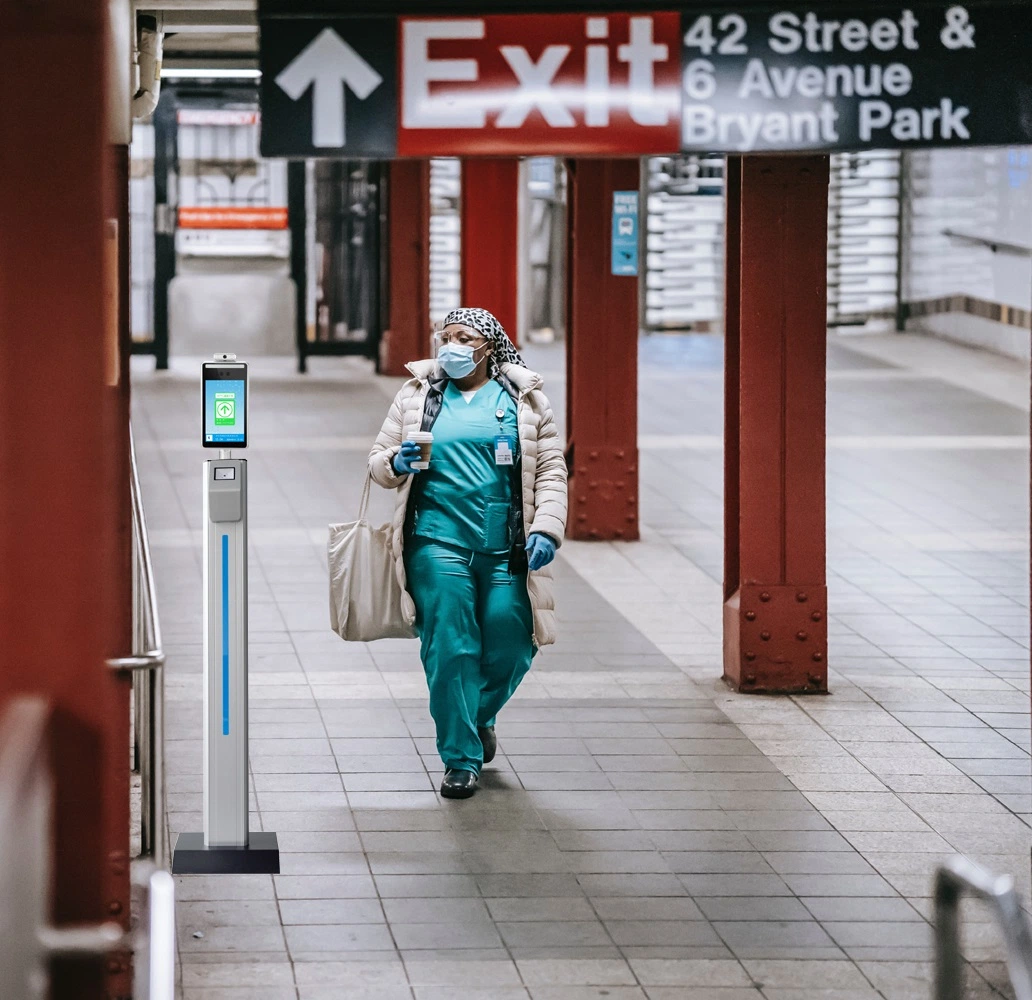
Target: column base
{"type": "Point", "coordinates": [260, 857]}
{"type": "Point", "coordinates": [604, 494]}
{"type": "Point", "coordinates": [776, 639]}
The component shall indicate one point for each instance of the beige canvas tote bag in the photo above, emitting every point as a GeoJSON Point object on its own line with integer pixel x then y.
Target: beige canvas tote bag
{"type": "Point", "coordinates": [365, 595]}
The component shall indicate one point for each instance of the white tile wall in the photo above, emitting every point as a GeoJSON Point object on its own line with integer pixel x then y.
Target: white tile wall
{"type": "Point", "coordinates": [977, 192]}
{"type": "Point", "coordinates": [141, 233]}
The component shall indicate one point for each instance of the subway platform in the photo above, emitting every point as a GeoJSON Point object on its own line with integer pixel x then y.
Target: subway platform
{"type": "Point", "coordinates": [643, 832]}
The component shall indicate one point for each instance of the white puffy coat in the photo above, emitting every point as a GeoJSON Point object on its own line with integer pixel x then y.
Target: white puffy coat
{"type": "Point", "coordinates": [544, 476]}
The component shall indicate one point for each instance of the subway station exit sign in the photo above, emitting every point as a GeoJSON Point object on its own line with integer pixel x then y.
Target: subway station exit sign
{"type": "Point", "coordinates": [760, 78]}
{"type": "Point", "coordinates": [860, 77]}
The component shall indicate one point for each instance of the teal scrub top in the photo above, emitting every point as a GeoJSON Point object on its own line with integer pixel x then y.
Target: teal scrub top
{"type": "Point", "coordinates": [463, 498]}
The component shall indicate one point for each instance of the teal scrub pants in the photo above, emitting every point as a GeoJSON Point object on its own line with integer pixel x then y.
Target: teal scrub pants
{"type": "Point", "coordinates": [475, 626]}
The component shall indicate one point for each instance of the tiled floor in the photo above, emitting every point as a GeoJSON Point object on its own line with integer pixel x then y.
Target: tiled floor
{"type": "Point", "coordinates": [643, 832]}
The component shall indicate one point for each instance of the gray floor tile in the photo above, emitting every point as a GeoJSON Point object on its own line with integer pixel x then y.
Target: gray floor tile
{"type": "Point", "coordinates": [425, 886]}
{"type": "Point", "coordinates": [241, 993]}
{"type": "Point", "coordinates": [717, 862]}
{"type": "Point", "coordinates": [810, 841]}
{"type": "Point", "coordinates": [703, 993]}
{"type": "Point", "coordinates": [541, 908]}
{"type": "Point", "coordinates": [702, 974]}
{"type": "Point", "coordinates": [777, 939]}
{"type": "Point", "coordinates": [554, 933]}
{"type": "Point", "coordinates": [632, 885]}
{"type": "Point", "coordinates": [446, 934]}
{"type": "Point", "coordinates": [241, 938]}
{"type": "Point", "coordinates": [191, 916]}
{"type": "Point", "coordinates": [626, 810]}
{"type": "Point", "coordinates": [442, 911]}
{"type": "Point", "coordinates": [335, 938]}
{"type": "Point", "coordinates": [808, 863]}
{"type": "Point", "coordinates": [753, 908]}
{"type": "Point", "coordinates": [839, 885]}
{"type": "Point", "coordinates": [318, 842]}
{"type": "Point", "coordinates": [331, 911]}
{"type": "Point", "coordinates": [617, 908]}
{"type": "Point", "coordinates": [853, 908]}
{"type": "Point", "coordinates": [587, 993]}
{"type": "Point", "coordinates": [368, 820]}
{"type": "Point", "coordinates": [673, 841]}
{"type": "Point", "coordinates": [323, 863]}
{"type": "Point", "coordinates": [737, 885]}
{"type": "Point", "coordinates": [880, 934]}
{"type": "Point", "coordinates": [573, 971]}
{"type": "Point", "coordinates": [674, 820]}
{"type": "Point", "coordinates": [314, 821]}
{"type": "Point", "coordinates": [324, 886]}
{"type": "Point", "coordinates": [456, 970]}
{"type": "Point", "coordinates": [355, 993]}
{"type": "Point", "coordinates": [529, 885]}
{"type": "Point", "coordinates": [672, 933]}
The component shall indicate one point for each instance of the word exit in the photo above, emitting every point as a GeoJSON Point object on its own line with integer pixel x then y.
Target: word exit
{"type": "Point", "coordinates": [506, 83]}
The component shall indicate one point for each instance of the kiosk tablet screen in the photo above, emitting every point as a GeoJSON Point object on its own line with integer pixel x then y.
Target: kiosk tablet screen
{"type": "Point", "coordinates": [224, 402]}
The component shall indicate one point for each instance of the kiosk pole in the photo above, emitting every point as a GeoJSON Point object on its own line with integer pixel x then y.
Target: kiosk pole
{"type": "Point", "coordinates": [226, 845]}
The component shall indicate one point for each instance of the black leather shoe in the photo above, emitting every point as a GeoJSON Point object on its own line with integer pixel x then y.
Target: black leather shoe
{"type": "Point", "coordinates": [459, 784]}
{"type": "Point", "coordinates": [490, 742]}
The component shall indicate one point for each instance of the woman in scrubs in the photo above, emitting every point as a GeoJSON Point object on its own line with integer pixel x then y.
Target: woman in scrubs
{"type": "Point", "coordinates": [474, 533]}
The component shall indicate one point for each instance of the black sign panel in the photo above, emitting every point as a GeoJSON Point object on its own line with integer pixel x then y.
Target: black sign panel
{"type": "Point", "coordinates": [329, 87]}
{"type": "Point", "coordinates": [872, 76]}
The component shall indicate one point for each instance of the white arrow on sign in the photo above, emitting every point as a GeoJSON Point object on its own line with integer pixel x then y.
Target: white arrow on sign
{"type": "Point", "coordinates": [326, 64]}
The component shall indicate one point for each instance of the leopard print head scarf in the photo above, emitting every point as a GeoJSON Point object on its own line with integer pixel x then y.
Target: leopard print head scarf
{"type": "Point", "coordinates": [485, 324]}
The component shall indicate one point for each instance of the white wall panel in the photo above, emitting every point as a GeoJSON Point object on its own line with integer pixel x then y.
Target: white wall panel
{"type": "Point", "coordinates": [980, 195]}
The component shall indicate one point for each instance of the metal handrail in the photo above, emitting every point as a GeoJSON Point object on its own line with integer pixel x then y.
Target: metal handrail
{"type": "Point", "coordinates": [28, 942]}
{"type": "Point", "coordinates": [25, 796]}
{"type": "Point", "coordinates": [146, 664]}
{"type": "Point", "coordinates": [951, 881]}
{"type": "Point", "coordinates": [154, 939]}
{"type": "Point", "coordinates": [993, 244]}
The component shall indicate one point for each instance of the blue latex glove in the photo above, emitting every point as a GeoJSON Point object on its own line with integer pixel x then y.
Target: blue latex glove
{"type": "Point", "coordinates": [402, 463]}
{"type": "Point", "coordinates": [540, 550]}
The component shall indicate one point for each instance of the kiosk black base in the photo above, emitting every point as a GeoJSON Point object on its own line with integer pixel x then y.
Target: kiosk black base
{"type": "Point", "coordinates": [260, 857]}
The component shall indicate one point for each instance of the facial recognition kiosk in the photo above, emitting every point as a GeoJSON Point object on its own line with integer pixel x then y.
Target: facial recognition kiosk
{"type": "Point", "coordinates": [226, 845]}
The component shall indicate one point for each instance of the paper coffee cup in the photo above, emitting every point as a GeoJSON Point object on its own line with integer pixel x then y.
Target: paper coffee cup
{"type": "Point", "coordinates": [425, 440]}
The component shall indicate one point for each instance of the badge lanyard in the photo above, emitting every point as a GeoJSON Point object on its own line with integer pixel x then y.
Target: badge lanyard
{"type": "Point", "coordinates": [503, 443]}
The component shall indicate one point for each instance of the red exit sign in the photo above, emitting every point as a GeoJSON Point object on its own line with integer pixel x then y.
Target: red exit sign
{"type": "Point", "coordinates": [564, 84]}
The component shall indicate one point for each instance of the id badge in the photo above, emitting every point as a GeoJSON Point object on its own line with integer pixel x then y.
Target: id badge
{"type": "Point", "coordinates": [503, 450]}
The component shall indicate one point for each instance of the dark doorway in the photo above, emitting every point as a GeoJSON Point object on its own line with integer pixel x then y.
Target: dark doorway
{"type": "Point", "coordinates": [347, 260]}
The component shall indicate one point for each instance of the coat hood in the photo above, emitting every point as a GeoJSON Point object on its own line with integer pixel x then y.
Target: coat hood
{"type": "Point", "coordinates": [523, 378]}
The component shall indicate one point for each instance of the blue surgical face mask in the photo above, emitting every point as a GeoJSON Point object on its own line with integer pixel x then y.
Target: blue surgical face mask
{"type": "Point", "coordinates": [457, 360]}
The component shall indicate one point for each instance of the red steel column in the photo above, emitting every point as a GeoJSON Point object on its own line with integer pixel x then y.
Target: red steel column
{"type": "Point", "coordinates": [408, 208]}
{"type": "Point", "coordinates": [775, 589]}
{"type": "Point", "coordinates": [490, 237]}
{"type": "Point", "coordinates": [601, 358]}
{"type": "Point", "coordinates": [58, 482]}
{"type": "Point", "coordinates": [119, 348]}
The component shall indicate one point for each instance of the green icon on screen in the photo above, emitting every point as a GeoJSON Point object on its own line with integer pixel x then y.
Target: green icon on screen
{"type": "Point", "coordinates": [225, 408]}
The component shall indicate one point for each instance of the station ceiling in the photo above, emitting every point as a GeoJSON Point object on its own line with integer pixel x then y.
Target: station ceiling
{"type": "Point", "coordinates": [224, 33]}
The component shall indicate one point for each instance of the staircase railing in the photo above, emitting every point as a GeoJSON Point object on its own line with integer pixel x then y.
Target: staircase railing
{"type": "Point", "coordinates": [28, 942]}
{"type": "Point", "coordinates": [952, 881]}
{"type": "Point", "coordinates": [146, 664]}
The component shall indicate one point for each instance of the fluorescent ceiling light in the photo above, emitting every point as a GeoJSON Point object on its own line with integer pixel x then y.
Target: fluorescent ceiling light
{"type": "Point", "coordinates": [194, 73]}
{"type": "Point", "coordinates": [209, 21]}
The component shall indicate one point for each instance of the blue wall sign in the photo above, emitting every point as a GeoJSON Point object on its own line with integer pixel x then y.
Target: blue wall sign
{"type": "Point", "coordinates": [625, 233]}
